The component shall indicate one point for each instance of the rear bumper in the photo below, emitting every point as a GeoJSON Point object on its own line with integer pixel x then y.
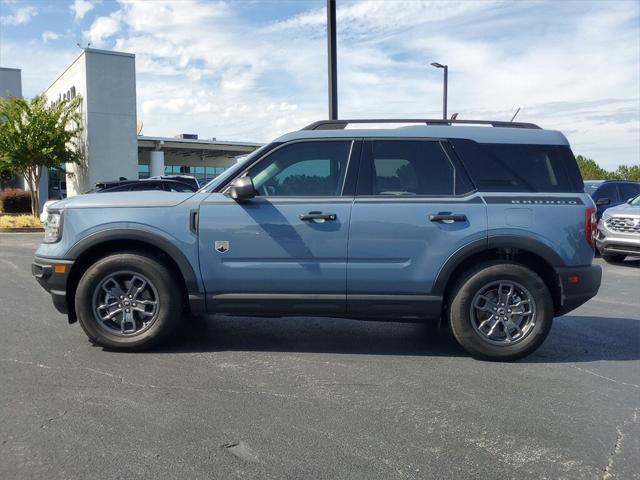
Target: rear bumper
{"type": "Point", "coordinates": [575, 294]}
{"type": "Point", "coordinates": [53, 279]}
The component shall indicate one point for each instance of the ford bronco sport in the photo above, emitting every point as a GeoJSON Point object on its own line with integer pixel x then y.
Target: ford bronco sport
{"type": "Point", "coordinates": [482, 224]}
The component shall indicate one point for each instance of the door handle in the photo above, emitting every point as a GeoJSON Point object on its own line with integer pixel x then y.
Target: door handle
{"type": "Point", "coordinates": [193, 221]}
{"type": "Point", "coordinates": [317, 216]}
{"type": "Point", "coordinates": [448, 217]}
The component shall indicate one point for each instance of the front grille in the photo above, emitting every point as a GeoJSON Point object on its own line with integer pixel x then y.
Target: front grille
{"type": "Point", "coordinates": [623, 224]}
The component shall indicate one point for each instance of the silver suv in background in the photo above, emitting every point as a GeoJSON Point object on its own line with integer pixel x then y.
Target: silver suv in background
{"type": "Point", "coordinates": [618, 234]}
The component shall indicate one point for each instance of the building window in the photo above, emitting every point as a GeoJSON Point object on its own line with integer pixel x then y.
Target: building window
{"type": "Point", "coordinates": [143, 171]}
{"type": "Point", "coordinates": [203, 174]}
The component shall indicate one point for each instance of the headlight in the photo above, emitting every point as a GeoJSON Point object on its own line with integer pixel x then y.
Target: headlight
{"type": "Point", "coordinates": [53, 227]}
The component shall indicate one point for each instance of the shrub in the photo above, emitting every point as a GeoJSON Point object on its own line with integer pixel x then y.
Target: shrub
{"type": "Point", "coordinates": [15, 200]}
{"type": "Point", "coordinates": [19, 221]}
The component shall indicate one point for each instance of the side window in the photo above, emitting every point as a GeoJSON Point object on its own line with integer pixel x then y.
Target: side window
{"type": "Point", "coordinates": [503, 167]}
{"type": "Point", "coordinates": [629, 190]}
{"type": "Point", "coordinates": [407, 167]}
{"type": "Point", "coordinates": [303, 169]}
{"type": "Point", "coordinates": [608, 190]}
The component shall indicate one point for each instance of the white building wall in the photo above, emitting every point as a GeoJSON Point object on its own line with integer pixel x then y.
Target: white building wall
{"type": "Point", "coordinates": [106, 81]}
{"type": "Point", "coordinates": [111, 114]}
{"type": "Point", "coordinates": [74, 77]}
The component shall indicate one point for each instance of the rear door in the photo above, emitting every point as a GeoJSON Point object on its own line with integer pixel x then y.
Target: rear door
{"type": "Point", "coordinates": [414, 207]}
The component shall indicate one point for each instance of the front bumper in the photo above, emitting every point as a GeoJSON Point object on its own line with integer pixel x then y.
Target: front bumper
{"type": "Point", "coordinates": [52, 275]}
{"type": "Point", "coordinates": [578, 285]}
{"type": "Point", "coordinates": [625, 244]}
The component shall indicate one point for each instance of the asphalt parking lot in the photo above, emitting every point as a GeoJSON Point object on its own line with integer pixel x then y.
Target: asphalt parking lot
{"type": "Point", "coordinates": [316, 398]}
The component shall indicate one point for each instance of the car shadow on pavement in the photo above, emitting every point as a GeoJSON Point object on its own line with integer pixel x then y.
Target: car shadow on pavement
{"type": "Point", "coordinates": [576, 338]}
{"type": "Point", "coordinates": [629, 262]}
{"type": "Point", "coordinates": [319, 335]}
{"type": "Point", "coordinates": [572, 338]}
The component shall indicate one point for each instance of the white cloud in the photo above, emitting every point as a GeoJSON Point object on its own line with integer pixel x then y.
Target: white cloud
{"type": "Point", "coordinates": [40, 67]}
{"type": "Point", "coordinates": [80, 8]}
{"type": "Point", "coordinates": [371, 17]}
{"type": "Point", "coordinates": [20, 16]}
{"type": "Point", "coordinates": [102, 29]}
{"type": "Point", "coordinates": [202, 66]}
{"type": "Point", "coordinates": [48, 36]}
{"type": "Point", "coordinates": [384, 53]}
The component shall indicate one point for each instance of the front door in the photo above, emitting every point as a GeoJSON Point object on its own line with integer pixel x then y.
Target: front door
{"type": "Point", "coordinates": [285, 250]}
{"type": "Point", "coordinates": [414, 208]}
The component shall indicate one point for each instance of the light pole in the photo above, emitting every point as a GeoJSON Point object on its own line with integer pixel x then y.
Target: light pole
{"type": "Point", "coordinates": [333, 63]}
{"type": "Point", "coordinates": [446, 81]}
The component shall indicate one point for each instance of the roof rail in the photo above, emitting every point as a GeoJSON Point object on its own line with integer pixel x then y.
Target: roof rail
{"type": "Point", "coordinates": [341, 124]}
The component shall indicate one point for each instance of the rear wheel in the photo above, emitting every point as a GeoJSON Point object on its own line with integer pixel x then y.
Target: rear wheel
{"type": "Point", "coordinates": [128, 301]}
{"type": "Point", "coordinates": [500, 311]}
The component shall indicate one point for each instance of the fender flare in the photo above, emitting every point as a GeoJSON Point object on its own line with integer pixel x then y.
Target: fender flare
{"type": "Point", "coordinates": [495, 241]}
{"type": "Point", "coordinates": [158, 240]}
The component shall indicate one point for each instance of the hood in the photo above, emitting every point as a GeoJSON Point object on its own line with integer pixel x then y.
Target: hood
{"type": "Point", "coordinates": [123, 199]}
{"type": "Point", "coordinates": [624, 209]}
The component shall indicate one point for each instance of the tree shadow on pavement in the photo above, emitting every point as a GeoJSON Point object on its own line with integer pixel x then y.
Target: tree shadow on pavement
{"type": "Point", "coordinates": [572, 338]}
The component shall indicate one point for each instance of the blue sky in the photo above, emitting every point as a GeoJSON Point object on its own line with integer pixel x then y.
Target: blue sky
{"type": "Point", "coordinates": [251, 70]}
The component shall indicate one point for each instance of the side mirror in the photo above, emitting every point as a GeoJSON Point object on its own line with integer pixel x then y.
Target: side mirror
{"type": "Point", "coordinates": [242, 189]}
{"type": "Point", "coordinates": [602, 201]}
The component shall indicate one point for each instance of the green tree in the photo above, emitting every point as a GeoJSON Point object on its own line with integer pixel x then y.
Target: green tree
{"type": "Point", "coordinates": [625, 172]}
{"type": "Point", "coordinates": [34, 135]}
{"type": "Point", "coordinates": [590, 170]}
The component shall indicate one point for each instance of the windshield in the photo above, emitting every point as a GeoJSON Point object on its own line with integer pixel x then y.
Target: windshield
{"type": "Point", "coordinates": [635, 202]}
{"type": "Point", "coordinates": [234, 169]}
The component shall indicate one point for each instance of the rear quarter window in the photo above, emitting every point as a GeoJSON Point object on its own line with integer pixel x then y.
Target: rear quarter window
{"type": "Point", "coordinates": [501, 167]}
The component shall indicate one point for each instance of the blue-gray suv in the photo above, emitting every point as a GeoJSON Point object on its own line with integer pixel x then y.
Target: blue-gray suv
{"type": "Point", "coordinates": [484, 225]}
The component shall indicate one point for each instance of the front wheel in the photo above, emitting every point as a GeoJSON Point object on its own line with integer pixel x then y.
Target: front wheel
{"type": "Point", "coordinates": [128, 301]}
{"type": "Point", "coordinates": [500, 311]}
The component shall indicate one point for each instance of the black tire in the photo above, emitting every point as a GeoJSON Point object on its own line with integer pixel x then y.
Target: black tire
{"type": "Point", "coordinates": [471, 283]}
{"type": "Point", "coordinates": [613, 257]}
{"type": "Point", "coordinates": [166, 314]}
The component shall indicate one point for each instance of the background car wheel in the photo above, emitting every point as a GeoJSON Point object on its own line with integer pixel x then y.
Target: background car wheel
{"type": "Point", "coordinates": [500, 311]}
{"type": "Point", "coordinates": [128, 301]}
{"type": "Point", "coordinates": [613, 257]}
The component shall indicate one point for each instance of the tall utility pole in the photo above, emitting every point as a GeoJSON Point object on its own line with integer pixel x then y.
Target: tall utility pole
{"type": "Point", "coordinates": [333, 64]}
{"type": "Point", "coordinates": [445, 87]}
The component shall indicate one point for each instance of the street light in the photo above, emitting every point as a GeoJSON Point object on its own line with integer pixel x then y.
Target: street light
{"type": "Point", "coordinates": [333, 63]}
{"type": "Point", "coordinates": [446, 80]}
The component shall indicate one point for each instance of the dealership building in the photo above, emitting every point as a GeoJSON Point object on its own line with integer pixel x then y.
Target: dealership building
{"type": "Point", "coordinates": [111, 141]}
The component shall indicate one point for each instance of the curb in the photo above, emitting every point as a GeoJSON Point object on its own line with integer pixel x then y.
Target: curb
{"type": "Point", "coordinates": [22, 230]}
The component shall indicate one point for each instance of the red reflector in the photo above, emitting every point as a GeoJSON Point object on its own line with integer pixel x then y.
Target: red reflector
{"type": "Point", "coordinates": [573, 279]}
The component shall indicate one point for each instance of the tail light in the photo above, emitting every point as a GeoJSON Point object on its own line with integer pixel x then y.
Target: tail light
{"type": "Point", "coordinates": [590, 226]}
